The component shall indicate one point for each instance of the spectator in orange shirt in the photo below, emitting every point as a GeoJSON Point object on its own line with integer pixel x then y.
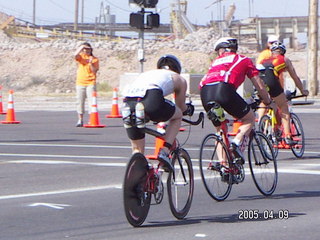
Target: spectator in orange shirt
{"type": "Point", "coordinates": [88, 66]}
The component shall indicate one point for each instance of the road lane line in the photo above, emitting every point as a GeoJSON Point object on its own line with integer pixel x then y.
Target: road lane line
{"type": "Point", "coordinates": [68, 162]}
{"type": "Point", "coordinates": [59, 156]}
{"type": "Point", "coordinates": [75, 190]}
{"type": "Point", "coordinates": [119, 186]}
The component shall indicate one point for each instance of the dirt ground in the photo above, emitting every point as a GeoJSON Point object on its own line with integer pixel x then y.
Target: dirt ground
{"type": "Point", "coordinates": [50, 71]}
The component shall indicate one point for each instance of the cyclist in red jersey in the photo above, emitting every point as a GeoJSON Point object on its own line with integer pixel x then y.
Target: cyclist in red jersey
{"type": "Point", "coordinates": [226, 73]}
{"type": "Point", "coordinates": [272, 73]}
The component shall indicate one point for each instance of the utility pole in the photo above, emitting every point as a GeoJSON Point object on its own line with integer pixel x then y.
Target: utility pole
{"type": "Point", "coordinates": [34, 12]}
{"type": "Point", "coordinates": [76, 15]}
{"type": "Point", "coordinates": [313, 48]}
{"type": "Point", "coordinates": [82, 11]}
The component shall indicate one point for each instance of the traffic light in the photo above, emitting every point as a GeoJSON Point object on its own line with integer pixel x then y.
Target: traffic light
{"type": "Point", "coordinates": [153, 20]}
{"type": "Point", "coordinates": [145, 3]}
{"type": "Point", "coordinates": [137, 20]}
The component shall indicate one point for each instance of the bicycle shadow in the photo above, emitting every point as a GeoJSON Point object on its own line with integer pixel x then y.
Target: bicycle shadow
{"type": "Point", "coordinates": [297, 194]}
{"type": "Point", "coordinates": [292, 158]}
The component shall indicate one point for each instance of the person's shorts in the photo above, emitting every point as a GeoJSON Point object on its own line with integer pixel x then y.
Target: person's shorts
{"type": "Point", "coordinates": [226, 95]}
{"type": "Point", "coordinates": [273, 83]}
{"type": "Point", "coordinates": [157, 109]}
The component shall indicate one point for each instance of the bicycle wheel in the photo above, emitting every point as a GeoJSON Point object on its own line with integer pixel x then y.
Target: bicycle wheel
{"type": "Point", "coordinates": [265, 127]}
{"type": "Point", "coordinates": [262, 163]}
{"type": "Point", "coordinates": [180, 184]}
{"type": "Point", "coordinates": [217, 183]}
{"type": "Point", "coordinates": [136, 200]}
{"type": "Point", "coordinates": [297, 135]}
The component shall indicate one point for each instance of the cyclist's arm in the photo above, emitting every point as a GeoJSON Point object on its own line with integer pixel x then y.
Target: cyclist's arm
{"type": "Point", "coordinates": [262, 91]}
{"type": "Point", "coordinates": [294, 76]}
{"type": "Point", "coordinates": [180, 89]}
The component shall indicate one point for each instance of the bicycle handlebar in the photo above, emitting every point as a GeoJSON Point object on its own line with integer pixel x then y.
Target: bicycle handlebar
{"type": "Point", "coordinates": [197, 122]}
{"type": "Point", "coordinates": [158, 134]}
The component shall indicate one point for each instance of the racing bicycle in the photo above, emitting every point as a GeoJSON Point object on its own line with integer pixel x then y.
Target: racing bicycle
{"type": "Point", "coordinates": [143, 181]}
{"type": "Point", "coordinates": [220, 169]}
{"type": "Point", "coordinates": [270, 125]}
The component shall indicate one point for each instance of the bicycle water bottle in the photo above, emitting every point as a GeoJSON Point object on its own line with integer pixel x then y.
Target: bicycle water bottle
{"type": "Point", "coordinates": [220, 113]}
{"type": "Point", "coordinates": [126, 112]}
{"type": "Point", "coordinates": [140, 117]}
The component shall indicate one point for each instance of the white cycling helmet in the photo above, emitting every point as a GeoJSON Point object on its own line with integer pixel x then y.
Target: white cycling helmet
{"type": "Point", "coordinates": [280, 46]}
{"type": "Point", "coordinates": [273, 38]}
{"type": "Point", "coordinates": [226, 42]}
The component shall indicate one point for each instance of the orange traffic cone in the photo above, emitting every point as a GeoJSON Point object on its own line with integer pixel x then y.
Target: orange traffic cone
{"type": "Point", "coordinates": [159, 141]}
{"type": "Point", "coordinates": [10, 119]}
{"type": "Point", "coordinates": [236, 124]}
{"type": "Point", "coordinates": [94, 115]}
{"type": "Point", "coordinates": [115, 108]}
{"type": "Point", "coordinates": [1, 106]}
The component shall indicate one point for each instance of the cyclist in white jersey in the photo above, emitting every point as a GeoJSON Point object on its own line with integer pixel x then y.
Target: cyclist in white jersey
{"type": "Point", "coordinates": [151, 88]}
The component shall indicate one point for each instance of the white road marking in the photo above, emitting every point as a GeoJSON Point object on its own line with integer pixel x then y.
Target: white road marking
{"type": "Point", "coordinates": [200, 235]}
{"type": "Point", "coordinates": [50, 205]}
{"type": "Point", "coordinates": [74, 190]}
{"type": "Point", "coordinates": [58, 156]}
{"type": "Point", "coordinates": [68, 162]}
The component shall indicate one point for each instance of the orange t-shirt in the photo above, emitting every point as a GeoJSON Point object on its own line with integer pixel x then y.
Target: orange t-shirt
{"type": "Point", "coordinates": [85, 76]}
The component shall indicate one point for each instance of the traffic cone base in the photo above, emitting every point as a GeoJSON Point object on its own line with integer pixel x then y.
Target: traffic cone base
{"type": "Point", "coordinates": [94, 115]}
{"type": "Point", "coordinates": [1, 106]}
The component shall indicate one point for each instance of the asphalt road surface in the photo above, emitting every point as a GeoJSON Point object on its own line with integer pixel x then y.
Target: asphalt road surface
{"type": "Point", "coordinates": [62, 182]}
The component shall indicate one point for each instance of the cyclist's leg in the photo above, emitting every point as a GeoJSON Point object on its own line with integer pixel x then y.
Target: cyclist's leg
{"type": "Point", "coordinates": [281, 102]}
{"type": "Point", "coordinates": [173, 126]}
{"type": "Point", "coordinates": [138, 145]}
{"type": "Point", "coordinates": [246, 126]}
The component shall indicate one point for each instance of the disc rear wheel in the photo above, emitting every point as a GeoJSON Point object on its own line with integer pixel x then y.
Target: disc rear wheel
{"type": "Point", "coordinates": [135, 198]}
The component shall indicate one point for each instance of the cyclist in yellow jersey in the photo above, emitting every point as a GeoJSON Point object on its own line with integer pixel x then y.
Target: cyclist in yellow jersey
{"type": "Point", "coordinates": [274, 68]}
{"type": "Point", "coordinates": [266, 53]}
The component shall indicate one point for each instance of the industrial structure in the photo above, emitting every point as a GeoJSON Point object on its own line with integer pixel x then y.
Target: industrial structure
{"type": "Point", "coordinates": [106, 27]}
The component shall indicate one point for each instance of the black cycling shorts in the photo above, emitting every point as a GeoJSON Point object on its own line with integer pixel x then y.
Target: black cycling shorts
{"type": "Point", "coordinates": [273, 83]}
{"type": "Point", "coordinates": [157, 109]}
{"type": "Point", "coordinates": [226, 95]}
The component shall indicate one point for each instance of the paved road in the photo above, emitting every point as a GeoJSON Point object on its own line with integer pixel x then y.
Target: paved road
{"type": "Point", "coordinates": [62, 182]}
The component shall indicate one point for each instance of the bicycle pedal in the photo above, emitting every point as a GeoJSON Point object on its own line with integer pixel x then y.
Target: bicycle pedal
{"type": "Point", "coordinates": [238, 161]}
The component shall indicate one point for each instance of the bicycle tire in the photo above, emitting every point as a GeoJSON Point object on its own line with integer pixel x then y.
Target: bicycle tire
{"type": "Point", "coordinates": [136, 201]}
{"type": "Point", "coordinates": [265, 127]}
{"type": "Point", "coordinates": [262, 163]}
{"type": "Point", "coordinates": [217, 183]}
{"type": "Point", "coordinates": [180, 184]}
{"type": "Point", "coordinates": [297, 133]}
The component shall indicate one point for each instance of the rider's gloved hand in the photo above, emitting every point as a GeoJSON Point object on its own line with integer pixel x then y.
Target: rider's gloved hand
{"type": "Point", "coordinates": [189, 111]}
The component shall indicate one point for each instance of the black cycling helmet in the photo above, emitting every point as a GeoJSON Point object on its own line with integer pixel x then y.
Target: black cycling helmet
{"type": "Point", "coordinates": [170, 62]}
{"type": "Point", "coordinates": [227, 43]}
{"type": "Point", "coordinates": [278, 45]}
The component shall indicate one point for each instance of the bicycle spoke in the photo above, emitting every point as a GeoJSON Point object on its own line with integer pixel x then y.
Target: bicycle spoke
{"type": "Point", "coordinates": [180, 184]}
{"type": "Point", "coordinates": [262, 164]}
{"type": "Point", "coordinates": [217, 182]}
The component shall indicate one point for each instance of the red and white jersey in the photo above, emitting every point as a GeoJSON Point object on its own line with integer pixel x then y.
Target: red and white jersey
{"type": "Point", "coordinates": [231, 68]}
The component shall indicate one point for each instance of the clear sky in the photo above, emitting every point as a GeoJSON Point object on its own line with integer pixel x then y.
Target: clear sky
{"type": "Point", "coordinates": [199, 11]}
